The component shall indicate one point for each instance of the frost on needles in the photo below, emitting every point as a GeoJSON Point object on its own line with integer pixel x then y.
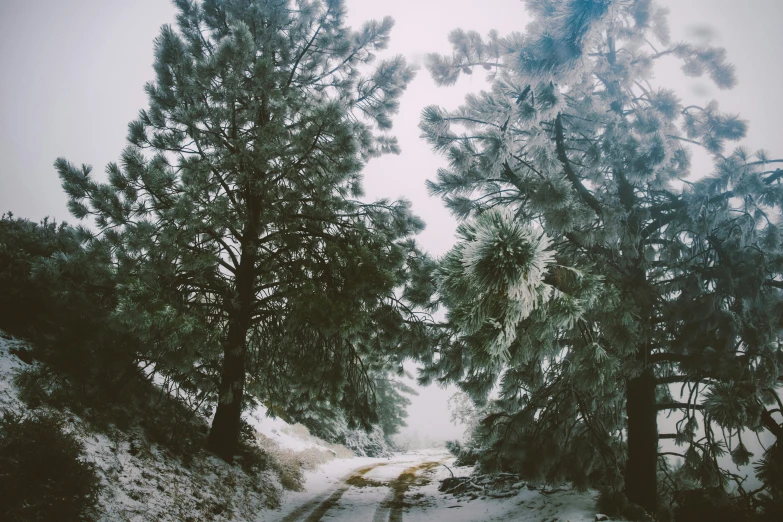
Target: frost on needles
{"type": "Point", "coordinates": [670, 280]}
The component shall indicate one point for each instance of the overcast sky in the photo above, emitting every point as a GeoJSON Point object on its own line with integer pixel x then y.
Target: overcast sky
{"type": "Point", "coordinates": [72, 75]}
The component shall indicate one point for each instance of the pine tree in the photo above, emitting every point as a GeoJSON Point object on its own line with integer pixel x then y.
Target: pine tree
{"type": "Point", "coordinates": [591, 276]}
{"type": "Point", "coordinates": [327, 422]}
{"type": "Point", "coordinates": [392, 404]}
{"type": "Point", "coordinates": [248, 262]}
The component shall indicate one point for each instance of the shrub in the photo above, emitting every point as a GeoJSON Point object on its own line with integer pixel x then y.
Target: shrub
{"type": "Point", "coordinates": [252, 458]}
{"type": "Point", "coordinates": [22, 243]}
{"type": "Point", "coordinates": [284, 463]}
{"type": "Point", "coordinates": [713, 504]}
{"type": "Point", "coordinates": [466, 455]}
{"type": "Point", "coordinates": [42, 474]}
{"type": "Point", "coordinates": [366, 443]}
{"type": "Point", "coordinates": [62, 297]}
{"type": "Point", "coordinates": [611, 502]}
{"type": "Point", "coordinates": [614, 503]}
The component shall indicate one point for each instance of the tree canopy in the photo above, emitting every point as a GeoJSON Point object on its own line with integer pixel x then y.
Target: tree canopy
{"type": "Point", "coordinates": [598, 282]}
{"type": "Point", "coordinates": [249, 262]}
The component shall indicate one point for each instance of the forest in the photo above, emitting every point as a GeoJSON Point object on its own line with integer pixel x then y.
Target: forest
{"type": "Point", "coordinates": [610, 310]}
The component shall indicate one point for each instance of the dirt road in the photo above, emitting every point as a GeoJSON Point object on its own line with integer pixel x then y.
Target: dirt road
{"type": "Point", "coordinates": [405, 488]}
{"type": "Point", "coordinates": [379, 492]}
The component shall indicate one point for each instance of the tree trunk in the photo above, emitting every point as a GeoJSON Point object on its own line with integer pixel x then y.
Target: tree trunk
{"type": "Point", "coordinates": [641, 468]}
{"type": "Point", "coordinates": [224, 433]}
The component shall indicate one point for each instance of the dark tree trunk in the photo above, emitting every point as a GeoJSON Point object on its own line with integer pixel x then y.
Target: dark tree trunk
{"type": "Point", "coordinates": [640, 473]}
{"type": "Point", "coordinates": [224, 433]}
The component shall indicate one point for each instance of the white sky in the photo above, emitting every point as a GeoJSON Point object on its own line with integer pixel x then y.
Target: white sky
{"type": "Point", "coordinates": [72, 75]}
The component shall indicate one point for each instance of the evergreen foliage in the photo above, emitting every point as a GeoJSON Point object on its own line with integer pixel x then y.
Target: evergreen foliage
{"type": "Point", "coordinates": [363, 443]}
{"type": "Point", "coordinates": [393, 402]}
{"type": "Point", "coordinates": [22, 244]}
{"type": "Point", "coordinates": [330, 424]}
{"type": "Point", "coordinates": [42, 474]}
{"type": "Point", "coordinates": [62, 297]}
{"type": "Point", "coordinates": [593, 283]}
{"type": "Point", "coordinates": [247, 263]}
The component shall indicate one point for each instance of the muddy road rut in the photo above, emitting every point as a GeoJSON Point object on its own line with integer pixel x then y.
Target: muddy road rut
{"type": "Point", "coordinates": [379, 492]}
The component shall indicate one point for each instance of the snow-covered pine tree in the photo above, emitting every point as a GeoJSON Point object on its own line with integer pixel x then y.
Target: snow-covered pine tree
{"type": "Point", "coordinates": [593, 282]}
{"type": "Point", "coordinates": [248, 262]}
{"type": "Point", "coordinates": [392, 404]}
{"type": "Point", "coordinates": [328, 422]}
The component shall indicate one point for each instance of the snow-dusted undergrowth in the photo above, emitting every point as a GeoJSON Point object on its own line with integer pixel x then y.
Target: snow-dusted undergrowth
{"type": "Point", "coordinates": [145, 481]}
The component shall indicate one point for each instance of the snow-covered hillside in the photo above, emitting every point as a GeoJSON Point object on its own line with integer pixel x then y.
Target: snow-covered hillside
{"type": "Point", "coordinates": [144, 481]}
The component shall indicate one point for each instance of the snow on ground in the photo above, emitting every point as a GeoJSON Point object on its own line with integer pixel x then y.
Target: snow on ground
{"type": "Point", "coordinates": [342, 491]}
{"type": "Point", "coordinates": [151, 485]}
{"type": "Point", "coordinates": [362, 496]}
{"type": "Point", "coordinates": [293, 437]}
{"type": "Point", "coordinates": [528, 505]}
{"type": "Point", "coordinates": [145, 482]}
{"type": "Point", "coordinates": [9, 365]}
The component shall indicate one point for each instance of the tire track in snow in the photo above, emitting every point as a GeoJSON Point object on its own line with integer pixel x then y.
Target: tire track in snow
{"type": "Point", "coordinates": [323, 503]}
{"type": "Point", "coordinates": [395, 501]}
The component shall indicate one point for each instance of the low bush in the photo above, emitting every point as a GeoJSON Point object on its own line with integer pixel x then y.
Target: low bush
{"type": "Point", "coordinates": [711, 504]}
{"type": "Point", "coordinates": [284, 463]}
{"type": "Point", "coordinates": [22, 244]}
{"type": "Point", "coordinates": [62, 295]}
{"type": "Point", "coordinates": [251, 457]}
{"type": "Point", "coordinates": [615, 504]}
{"type": "Point", "coordinates": [466, 456]}
{"type": "Point", "coordinates": [42, 472]}
{"type": "Point", "coordinates": [611, 502]}
{"type": "Point", "coordinates": [162, 418]}
{"type": "Point", "coordinates": [366, 443]}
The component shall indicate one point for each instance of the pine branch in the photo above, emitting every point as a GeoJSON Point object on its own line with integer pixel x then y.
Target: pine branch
{"type": "Point", "coordinates": [529, 166]}
{"type": "Point", "coordinates": [678, 406]}
{"type": "Point", "coordinates": [585, 194]}
{"type": "Point", "coordinates": [513, 177]}
{"type": "Point", "coordinates": [671, 379]}
{"type": "Point", "coordinates": [662, 219]}
{"type": "Point", "coordinates": [668, 357]}
{"type": "Point", "coordinates": [774, 177]}
{"type": "Point", "coordinates": [304, 51]}
{"type": "Point", "coordinates": [770, 423]}
{"type": "Point", "coordinates": [671, 453]}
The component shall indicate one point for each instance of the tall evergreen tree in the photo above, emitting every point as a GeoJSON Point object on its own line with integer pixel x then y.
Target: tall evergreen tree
{"type": "Point", "coordinates": [393, 404]}
{"type": "Point", "coordinates": [323, 420]}
{"type": "Point", "coordinates": [591, 276]}
{"type": "Point", "coordinates": [248, 262]}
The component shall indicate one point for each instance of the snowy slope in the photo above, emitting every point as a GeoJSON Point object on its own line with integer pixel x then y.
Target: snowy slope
{"type": "Point", "coordinates": [145, 482]}
{"type": "Point", "coordinates": [9, 365]}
